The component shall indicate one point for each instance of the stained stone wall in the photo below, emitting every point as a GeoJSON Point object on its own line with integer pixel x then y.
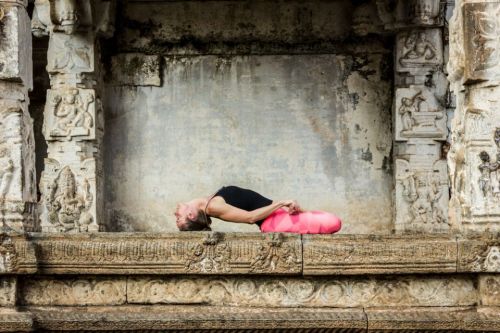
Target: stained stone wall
{"type": "Point", "coordinates": [298, 106]}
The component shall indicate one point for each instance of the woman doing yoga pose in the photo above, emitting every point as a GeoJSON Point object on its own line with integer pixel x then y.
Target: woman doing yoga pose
{"type": "Point", "coordinates": [235, 204]}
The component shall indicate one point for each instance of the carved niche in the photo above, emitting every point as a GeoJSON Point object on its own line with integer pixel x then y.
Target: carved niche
{"type": "Point", "coordinates": [481, 40]}
{"type": "Point", "coordinates": [422, 196]}
{"type": "Point", "coordinates": [70, 113]}
{"type": "Point", "coordinates": [419, 49]}
{"type": "Point", "coordinates": [419, 115]}
{"type": "Point", "coordinates": [68, 198]}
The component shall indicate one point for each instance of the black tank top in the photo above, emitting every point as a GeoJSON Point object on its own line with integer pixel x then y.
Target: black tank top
{"type": "Point", "coordinates": [244, 199]}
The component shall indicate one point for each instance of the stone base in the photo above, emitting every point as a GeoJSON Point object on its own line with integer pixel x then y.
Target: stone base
{"type": "Point", "coordinates": [11, 320]}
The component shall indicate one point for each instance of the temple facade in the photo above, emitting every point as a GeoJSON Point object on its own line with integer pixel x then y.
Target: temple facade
{"type": "Point", "coordinates": [385, 112]}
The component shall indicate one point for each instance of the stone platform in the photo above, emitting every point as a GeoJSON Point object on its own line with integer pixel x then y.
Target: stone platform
{"type": "Point", "coordinates": [239, 282]}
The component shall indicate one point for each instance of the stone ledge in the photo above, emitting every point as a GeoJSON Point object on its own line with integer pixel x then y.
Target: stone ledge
{"type": "Point", "coordinates": [226, 319]}
{"type": "Point", "coordinates": [201, 318]}
{"type": "Point", "coordinates": [12, 320]}
{"type": "Point", "coordinates": [250, 254]}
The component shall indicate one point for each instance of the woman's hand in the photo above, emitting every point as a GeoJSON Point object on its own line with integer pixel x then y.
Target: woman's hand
{"type": "Point", "coordinates": [292, 206]}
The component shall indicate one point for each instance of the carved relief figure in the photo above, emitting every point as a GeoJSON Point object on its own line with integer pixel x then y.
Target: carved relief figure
{"type": "Point", "coordinates": [64, 15]}
{"type": "Point", "coordinates": [72, 114]}
{"type": "Point", "coordinates": [6, 171]}
{"type": "Point", "coordinates": [417, 119]}
{"type": "Point", "coordinates": [423, 193]}
{"type": "Point", "coordinates": [8, 260]}
{"type": "Point", "coordinates": [419, 50]}
{"type": "Point", "coordinates": [67, 55]}
{"type": "Point", "coordinates": [486, 184]}
{"type": "Point", "coordinates": [211, 256]}
{"type": "Point", "coordinates": [67, 208]}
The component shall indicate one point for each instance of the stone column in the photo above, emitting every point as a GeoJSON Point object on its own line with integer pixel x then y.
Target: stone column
{"type": "Point", "coordinates": [474, 157]}
{"type": "Point", "coordinates": [72, 181]}
{"type": "Point", "coordinates": [17, 150]}
{"type": "Point", "coordinates": [419, 118]}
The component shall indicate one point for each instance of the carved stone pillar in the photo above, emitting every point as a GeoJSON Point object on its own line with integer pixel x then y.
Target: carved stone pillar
{"type": "Point", "coordinates": [474, 157]}
{"type": "Point", "coordinates": [17, 150]}
{"type": "Point", "coordinates": [71, 183]}
{"type": "Point", "coordinates": [419, 118]}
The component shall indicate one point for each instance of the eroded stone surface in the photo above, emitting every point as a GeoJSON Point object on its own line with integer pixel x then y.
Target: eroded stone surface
{"type": "Point", "coordinates": [489, 289]}
{"type": "Point", "coordinates": [136, 69]}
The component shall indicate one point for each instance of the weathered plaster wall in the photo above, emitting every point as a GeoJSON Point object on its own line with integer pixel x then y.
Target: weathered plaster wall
{"type": "Point", "coordinates": [310, 126]}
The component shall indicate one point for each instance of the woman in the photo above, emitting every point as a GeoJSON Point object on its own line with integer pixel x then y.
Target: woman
{"type": "Point", "coordinates": [235, 204]}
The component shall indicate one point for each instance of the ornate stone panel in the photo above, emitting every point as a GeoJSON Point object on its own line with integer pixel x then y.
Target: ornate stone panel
{"type": "Point", "coordinates": [489, 289]}
{"type": "Point", "coordinates": [300, 292]}
{"type": "Point", "coordinates": [481, 40]}
{"type": "Point", "coordinates": [419, 115]}
{"type": "Point", "coordinates": [193, 253]}
{"type": "Point", "coordinates": [419, 50]}
{"type": "Point", "coordinates": [348, 255]}
{"type": "Point", "coordinates": [77, 291]}
{"type": "Point", "coordinates": [480, 255]}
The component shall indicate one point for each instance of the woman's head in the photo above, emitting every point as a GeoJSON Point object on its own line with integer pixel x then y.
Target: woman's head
{"type": "Point", "coordinates": [190, 218]}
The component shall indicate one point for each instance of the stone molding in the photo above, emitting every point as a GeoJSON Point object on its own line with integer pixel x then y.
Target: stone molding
{"type": "Point", "coordinates": [206, 319]}
{"type": "Point", "coordinates": [204, 253]}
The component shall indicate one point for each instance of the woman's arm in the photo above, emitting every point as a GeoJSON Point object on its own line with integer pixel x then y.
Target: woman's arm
{"type": "Point", "coordinates": [220, 209]}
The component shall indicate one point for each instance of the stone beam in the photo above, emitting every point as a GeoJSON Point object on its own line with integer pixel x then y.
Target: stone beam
{"type": "Point", "coordinates": [71, 184]}
{"type": "Point", "coordinates": [474, 157]}
{"type": "Point", "coordinates": [17, 146]}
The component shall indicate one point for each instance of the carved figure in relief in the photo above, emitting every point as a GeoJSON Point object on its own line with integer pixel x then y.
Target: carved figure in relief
{"type": "Point", "coordinates": [486, 168]}
{"type": "Point", "coordinates": [417, 118]}
{"type": "Point", "coordinates": [211, 256]}
{"type": "Point", "coordinates": [71, 57]}
{"type": "Point", "coordinates": [423, 10]}
{"type": "Point", "coordinates": [6, 171]}
{"type": "Point", "coordinates": [235, 204]}
{"type": "Point", "coordinates": [72, 114]}
{"type": "Point", "coordinates": [67, 208]}
{"type": "Point", "coordinates": [419, 49]}
{"type": "Point", "coordinates": [423, 192]}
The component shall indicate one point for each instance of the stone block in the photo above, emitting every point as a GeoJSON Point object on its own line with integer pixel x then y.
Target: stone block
{"type": "Point", "coordinates": [489, 289]}
{"type": "Point", "coordinates": [12, 320]}
{"type": "Point", "coordinates": [378, 254]}
{"type": "Point", "coordinates": [17, 255]}
{"type": "Point", "coordinates": [73, 292]}
{"type": "Point", "coordinates": [15, 46]}
{"type": "Point", "coordinates": [136, 69]}
{"type": "Point", "coordinates": [482, 319]}
{"type": "Point", "coordinates": [199, 319]}
{"type": "Point", "coordinates": [71, 54]}
{"type": "Point", "coordinates": [479, 255]}
{"type": "Point", "coordinates": [341, 292]}
{"type": "Point", "coordinates": [179, 253]}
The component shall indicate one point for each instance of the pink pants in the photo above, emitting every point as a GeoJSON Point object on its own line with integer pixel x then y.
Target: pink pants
{"type": "Point", "coordinates": [310, 222]}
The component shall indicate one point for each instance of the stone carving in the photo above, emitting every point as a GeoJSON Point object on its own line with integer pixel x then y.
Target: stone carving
{"type": "Point", "coordinates": [7, 291]}
{"type": "Point", "coordinates": [6, 171]}
{"type": "Point", "coordinates": [488, 261]}
{"type": "Point", "coordinates": [70, 113]}
{"type": "Point", "coordinates": [71, 54]}
{"type": "Point", "coordinates": [489, 179]}
{"type": "Point", "coordinates": [426, 12]}
{"type": "Point", "coordinates": [419, 49]}
{"type": "Point", "coordinates": [482, 255]}
{"type": "Point", "coordinates": [273, 254]}
{"type": "Point", "coordinates": [68, 206]}
{"type": "Point", "coordinates": [8, 257]}
{"type": "Point", "coordinates": [212, 255]}
{"type": "Point", "coordinates": [420, 115]}
{"type": "Point", "coordinates": [79, 291]}
{"type": "Point", "coordinates": [482, 45]}
{"type": "Point", "coordinates": [358, 254]}
{"type": "Point", "coordinates": [424, 194]}
{"type": "Point", "coordinates": [196, 253]}
{"type": "Point", "coordinates": [303, 292]}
